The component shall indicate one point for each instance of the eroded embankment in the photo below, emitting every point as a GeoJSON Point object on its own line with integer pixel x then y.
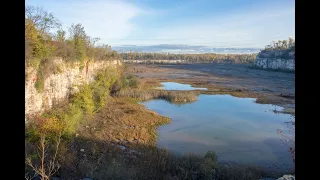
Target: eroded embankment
{"type": "Point", "coordinates": [57, 80]}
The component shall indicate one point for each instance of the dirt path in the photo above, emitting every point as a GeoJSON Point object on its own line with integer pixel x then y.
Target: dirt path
{"type": "Point", "coordinates": [269, 87]}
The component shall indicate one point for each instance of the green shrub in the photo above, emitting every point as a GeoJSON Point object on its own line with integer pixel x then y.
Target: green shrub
{"type": "Point", "coordinates": [124, 82]}
{"type": "Point", "coordinates": [129, 81]}
{"type": "Point", "coordinates": [116, 87]}
{"type": "Point", "coordinates": [70, 115]}
{"type": "Point", "coordinates": [102, 86]}
{"type": "Point", "coordinates": [59, 69]}
{"type": "Point", "coordinates": [40, 81]}
{"type": "Point", "coordinates": [84, 99]}
{"type": "Point", "coordinates": [133, 82]}
{"type": "Point", "coordinates": [43, 126]}
{"type": "Point", "coordinates": [72, 118]}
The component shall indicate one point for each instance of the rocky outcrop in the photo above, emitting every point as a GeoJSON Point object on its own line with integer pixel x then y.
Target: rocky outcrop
{"type": "Point", "coordinates": [60, 84]}
{"type": "Point", "coordinates": [284, 177]}
{"type": "Point", "coordinates": [276, 59]}
{"type": "Point", "coordinates": [287, 177]}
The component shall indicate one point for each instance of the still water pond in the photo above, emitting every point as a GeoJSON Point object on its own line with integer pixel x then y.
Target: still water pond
{"type": "Point", "coordinates": [178, 86]}
{"type": "Point", "coordinates": [237, 129]}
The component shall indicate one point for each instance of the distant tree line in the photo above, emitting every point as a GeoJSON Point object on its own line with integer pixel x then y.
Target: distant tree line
{"type": "Point", "coordinates": [207, 57]}
{"type": "Point", "coordinates": [281, 45]}
{"type": "Point", "coordinates": [41, 43]}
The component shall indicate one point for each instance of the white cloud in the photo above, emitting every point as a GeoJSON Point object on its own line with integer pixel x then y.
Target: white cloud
{"type": "Point", "coordinates": [246, 28]}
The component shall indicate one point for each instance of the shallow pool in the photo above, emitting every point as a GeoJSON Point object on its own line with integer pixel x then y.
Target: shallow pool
{"type": "Point", "coordinates": [178, 86]}
{"type": "Point", "coordinates": [237, 129]}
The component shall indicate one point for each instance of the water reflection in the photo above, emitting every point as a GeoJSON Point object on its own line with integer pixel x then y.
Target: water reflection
{"type": "Point", "coordinates": [178, 86]}
{"type": "Point", "coordinates": [238, 129]}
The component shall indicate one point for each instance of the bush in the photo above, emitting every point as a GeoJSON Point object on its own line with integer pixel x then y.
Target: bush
{"type": "Point", "coordinates": [116, 87]}
{"type": "Point", "coordinates": [43, 126]}
{"type": "Point", "coordinates": [84, 99]}
{"type": "Point", "coordinates": [133, 82]}
{"type": "Point", "coordinates": [43, 139]}
{"type": "Point", "coordinates": [102, 86]}
{"type": "Point", "coordinates": [129, 81]}
{"type": "Point", "coordinates": [71, 115]}
{"type": "Point", "coordinates": [39, 85]}
{"type": "Point", "coordinates": [124, 82]}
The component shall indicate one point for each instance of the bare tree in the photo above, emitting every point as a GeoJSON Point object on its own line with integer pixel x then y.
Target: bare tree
{"type": "Point", "coordinates": [27, 177]}
{"type": "Point", "coordinates": [43, 20]}
{"type": "Point", "coordinates": [48, 166]}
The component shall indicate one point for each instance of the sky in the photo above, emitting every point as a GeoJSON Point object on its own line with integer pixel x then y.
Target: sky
{"type": "Point", "coordinates": [211, 23]}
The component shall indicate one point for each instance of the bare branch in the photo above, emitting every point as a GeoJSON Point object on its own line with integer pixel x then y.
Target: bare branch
{"type": "Point", "coordinates": [43, 20]}
{"type": "Point", "coordinates": [47, 168]}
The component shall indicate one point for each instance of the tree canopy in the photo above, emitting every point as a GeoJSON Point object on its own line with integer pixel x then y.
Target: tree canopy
{"type": "Point", "coordinates": [281, 44]}
{"type": "Point", "coordinates": [207, 57]}
{"type": "Point", "coordinates": [45, 38]}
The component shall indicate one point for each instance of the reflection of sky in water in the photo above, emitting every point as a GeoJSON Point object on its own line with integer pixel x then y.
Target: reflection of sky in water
{"type": "Point", "coordinates": [178, 86]}
{"type": "Point", "coordinates": [238, 129]}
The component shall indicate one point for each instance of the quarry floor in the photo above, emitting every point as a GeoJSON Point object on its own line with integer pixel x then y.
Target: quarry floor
{"type": "Point", "coordinates": [269, 87]}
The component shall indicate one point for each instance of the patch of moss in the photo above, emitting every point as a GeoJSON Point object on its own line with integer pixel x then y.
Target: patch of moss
{"type": "Point", "coordinates": [59, 69]}
{"type": "Point", "coordinates": [81, 67]}
{"type": "Point", "coordinates": [39, 85]}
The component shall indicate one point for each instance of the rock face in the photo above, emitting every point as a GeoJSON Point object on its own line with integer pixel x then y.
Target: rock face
{"type": "Point", "coordinates": [287, 177]}
{"type": "Point", "coordinates": [284, 177]}
{"type": "Point", "coordinates": [276, 59]}
{"type": "Point", "coordinates": [59, 85]}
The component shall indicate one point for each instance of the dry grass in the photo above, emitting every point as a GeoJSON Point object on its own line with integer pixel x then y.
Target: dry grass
{"type": "Point", "coordinates": [171, 96]}
{"type": "Point", "coordinates": [98, 161]}
{"type": "Point", "coordinates": [145, 83]}
{"type": "Point", "coordinates": [124, 121]}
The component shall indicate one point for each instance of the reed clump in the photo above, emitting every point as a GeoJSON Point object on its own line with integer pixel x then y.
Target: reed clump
{"type": "Point", "coordinates": [171, 96]}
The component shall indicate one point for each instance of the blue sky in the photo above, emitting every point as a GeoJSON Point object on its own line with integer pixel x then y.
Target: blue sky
{"type": "Point", "coordinates": [213, 23]}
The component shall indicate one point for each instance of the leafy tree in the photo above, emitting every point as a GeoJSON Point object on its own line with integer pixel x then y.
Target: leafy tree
{"type": "Point", "coordinates": [281, 45]}
{"type": "Point", "coordinates": [38, 46]}
{"type": "Point", "coordinates": [38, 23]}
{"type": "Point", "coordinates": [291, 42]}
{"type": "Point", "coordinates": [78, 39]}
{"type": "Point", "coordinates": [285, 44]}
{"type": "Point", "coordinates": [90, 46]}
{"type": "Point", "coordinates": [60, 36]}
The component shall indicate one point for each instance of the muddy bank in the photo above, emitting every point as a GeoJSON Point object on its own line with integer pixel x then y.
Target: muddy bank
{"type": "Point", "coordinates": [240, 80]}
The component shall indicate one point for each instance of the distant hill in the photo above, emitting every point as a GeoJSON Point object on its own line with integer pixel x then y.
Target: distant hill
{"type": "Point", "coordinates": [184, 49]}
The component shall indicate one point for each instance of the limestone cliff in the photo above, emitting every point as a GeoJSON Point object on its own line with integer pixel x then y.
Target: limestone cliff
{"type": "Point", "coordinates": [59, 85]}
{"type": "Point", "coordinates": [276, 59]}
